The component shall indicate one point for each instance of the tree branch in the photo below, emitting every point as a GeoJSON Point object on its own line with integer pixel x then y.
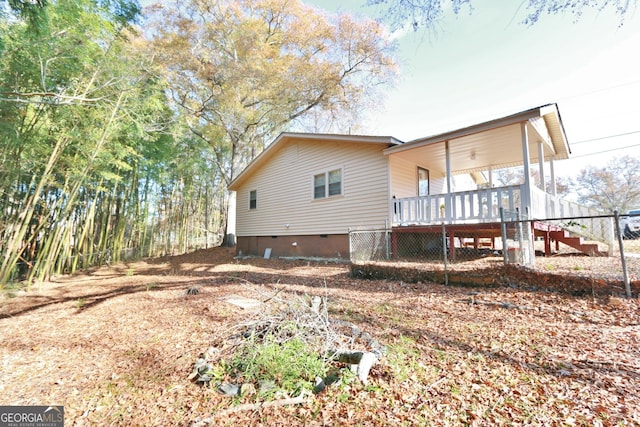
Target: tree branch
{"type": "Point", "coordinates": [251, 407]}
{"type": "Point", "coordinates": [67, 99]}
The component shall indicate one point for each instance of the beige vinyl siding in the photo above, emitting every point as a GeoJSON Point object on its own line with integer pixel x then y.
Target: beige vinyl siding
{"type": "Point", "coordinates": [284, 189]}
{"type": "Point", "coordinates": [438, 185]}
{"type": "Point", "coordinates": [404, 178]}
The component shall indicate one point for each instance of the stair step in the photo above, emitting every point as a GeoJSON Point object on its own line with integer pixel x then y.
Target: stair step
{"type": "Point", "coordinates": [563, 236]}
{"type": "Point", "coordinates": [590, 249]}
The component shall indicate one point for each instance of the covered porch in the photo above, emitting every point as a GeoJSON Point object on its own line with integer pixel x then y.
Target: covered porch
{"type": "Point", "coordinates": [454, 178]}
{"type": "Point", "coordinates": [475, 217]}
{"type": "Point", "coordinates": [451, 177]}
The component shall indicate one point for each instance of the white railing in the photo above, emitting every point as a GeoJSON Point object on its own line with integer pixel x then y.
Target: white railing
{"type": "Point", "coordinates": [582, 220]}
{"type": "Point", "coordinates": [481, 205]}
{"type": "Point", "coordinates": [544, 205]}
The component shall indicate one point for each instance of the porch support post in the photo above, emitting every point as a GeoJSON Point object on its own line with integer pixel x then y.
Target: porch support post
{"type": "Point", "coordinates": [552, 171]}
{"type": "Point", "coordinates": [448, 204]}
{"type": "Point", "coordinates": [526, 197]}
{"type": "Point", "coordinates": [547, 243]}
{"type": "Point", "coordinates": [452, 245]}
{"type": "Point", "coordinates": [543, 184]}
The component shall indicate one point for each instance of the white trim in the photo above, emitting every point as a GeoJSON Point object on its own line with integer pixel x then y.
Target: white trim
{"type": "Point", "coordinates": [418, 167]}
{"type": "Point", "coordinates": [249, 204]}
{"type": "Point", "coordinates": [326, 172]}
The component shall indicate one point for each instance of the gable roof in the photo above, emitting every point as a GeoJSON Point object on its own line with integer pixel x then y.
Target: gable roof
{"type": "Point", "coordinates": [286, 137]}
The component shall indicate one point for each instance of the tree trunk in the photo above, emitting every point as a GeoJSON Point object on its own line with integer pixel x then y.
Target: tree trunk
{"type": "Point", "coordinates": [230, 229]}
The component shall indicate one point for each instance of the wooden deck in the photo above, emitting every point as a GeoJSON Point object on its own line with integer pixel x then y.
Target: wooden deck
{"type": "Point", "coordinates": [480, 235]}
{"type": "Point", "coordinates": [489, 235]}
{"type": "Point", "coordinates": [475, 218]}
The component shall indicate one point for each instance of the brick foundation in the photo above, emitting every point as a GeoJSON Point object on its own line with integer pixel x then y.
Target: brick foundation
{"type": "Point", "coordinates": [323, 245]}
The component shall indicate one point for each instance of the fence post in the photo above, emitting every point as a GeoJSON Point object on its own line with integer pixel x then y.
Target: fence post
{"type": "Point", "coordinates": [503, 229]}
{"type": "Point", "coordinates": [387, 244]}
{"type": "Point", "coordinates": [625, 273]}
{"type": "Point", "coordinates": [530, 236]}
{"type": "Point", "coordinates": [350, 244]}
{"type": "Point", "coordinates": [519, 235]}
{"type": "Point", "coordinates": [387, 240]}
{"type": "Point", "coordinates": [444, 254]}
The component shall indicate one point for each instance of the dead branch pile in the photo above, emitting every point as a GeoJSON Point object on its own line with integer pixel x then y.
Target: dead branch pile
{"type": "Point", "coordinates": [284, 317]}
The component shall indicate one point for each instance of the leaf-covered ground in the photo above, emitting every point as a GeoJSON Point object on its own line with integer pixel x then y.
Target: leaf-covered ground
{"type": "Point", "coordinates": [116, 346]}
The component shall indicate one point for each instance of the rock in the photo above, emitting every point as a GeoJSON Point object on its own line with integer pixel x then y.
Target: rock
{"type": "Point", "coordinates": [367, 361]}
{"type": "Point", "coordinates": [319, 385]}
{"type": "Point", "coordinates": [201, 371]}
{"type": "Point", "coordinates": [267, 386]}
{"type": "Point", "coordinates": [229, 389]}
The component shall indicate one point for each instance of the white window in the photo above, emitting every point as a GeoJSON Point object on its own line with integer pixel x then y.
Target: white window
{"type": "Point", "coordinates": [253, 199]}
{"type": "Point", "coordinates": [423, 182]}
{"type": "Point", "coordinates": [327, 184]}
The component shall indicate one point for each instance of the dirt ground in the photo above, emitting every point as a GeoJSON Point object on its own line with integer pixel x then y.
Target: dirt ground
{"type": "Point", "coordinates": [115, 346]}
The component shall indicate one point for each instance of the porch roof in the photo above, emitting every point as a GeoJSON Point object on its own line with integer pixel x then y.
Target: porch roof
{"type": "Point", "coordinates": [494, 144]}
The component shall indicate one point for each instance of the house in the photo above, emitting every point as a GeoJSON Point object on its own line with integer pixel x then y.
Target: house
{"type": "Point", "coordinates": [304, 192]}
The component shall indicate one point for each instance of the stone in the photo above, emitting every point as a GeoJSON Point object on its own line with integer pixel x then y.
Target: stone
{"type": "Point", "coordinates": [229, 389]}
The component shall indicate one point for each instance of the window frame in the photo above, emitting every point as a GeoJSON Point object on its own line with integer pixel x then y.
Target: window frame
{"type": "Point", "coordinates": [418, 180]}
{"type": "Point", "coordinates": [253, 202]}
{"type": "Point", "coordinates": [326, 174]}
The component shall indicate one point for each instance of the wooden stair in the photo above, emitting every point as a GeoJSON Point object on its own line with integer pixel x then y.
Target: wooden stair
{"type": "Point", "coordinates": [563, 236]}
{"type": "Point", "coordinates": [559, 235]}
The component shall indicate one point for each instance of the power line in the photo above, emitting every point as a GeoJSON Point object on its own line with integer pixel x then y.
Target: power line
{"type": "Point", "coordinates": [603, 89]}
{"type": "Point", "coordinates": [605, 151]}
{"type": "Point", "coordinates": [605, 137]}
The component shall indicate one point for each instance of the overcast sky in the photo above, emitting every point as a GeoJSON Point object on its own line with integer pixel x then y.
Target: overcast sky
{"type": "Point", "coordinates": [486, 64]}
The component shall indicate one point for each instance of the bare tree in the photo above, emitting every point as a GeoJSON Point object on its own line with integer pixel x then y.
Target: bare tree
{"type": "Point", "coordinates": [511, 176]}
{"type": "Point", "coordinates": [426, 13]}
{"type": "Point", "coordinates": [614, 186]}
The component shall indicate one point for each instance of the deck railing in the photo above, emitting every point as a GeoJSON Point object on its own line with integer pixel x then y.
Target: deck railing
{"type": "Point", "coordinates": [585, 222]}
{"type": "Point", "coordinates": [545, 205]}
{"type": "Point", "coordinates": [482, 205]}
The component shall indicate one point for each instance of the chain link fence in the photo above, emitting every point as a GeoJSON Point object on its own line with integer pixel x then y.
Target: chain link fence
{"type": "Point", "coordinates": [517, 239]}
{"type": "Point", "coordinates": [602, 249]}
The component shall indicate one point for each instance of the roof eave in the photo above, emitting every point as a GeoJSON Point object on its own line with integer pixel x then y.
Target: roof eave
{"type": "Point", "coordinates": [554, 123]}
{"type": "Point", "coordinates": [542, 111]}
